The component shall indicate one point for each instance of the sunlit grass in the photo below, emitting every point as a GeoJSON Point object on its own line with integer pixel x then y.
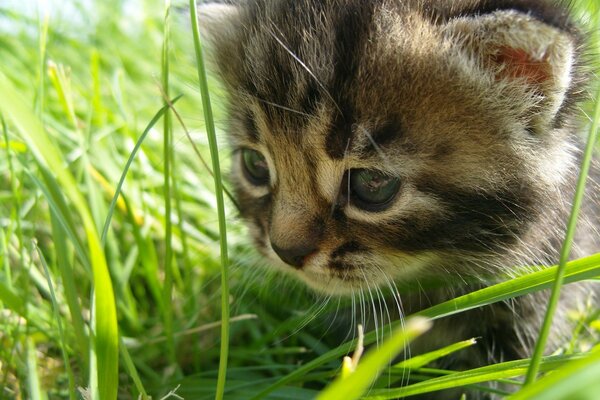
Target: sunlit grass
{"type": "Point", "coordinates": [113, 257]}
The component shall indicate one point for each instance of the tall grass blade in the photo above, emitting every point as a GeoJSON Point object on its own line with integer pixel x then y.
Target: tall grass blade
{"type": "Point", "coordinates": [130, 367]}
{"type": "Point", "coordinates": [70, 289]}
{"type": "Point", "coordinates": [167, 192]}
{"type": "Point", "coordinates": [136, 148]}
{"type": "Point", "coordinates": [576, 380]}
{"type": "Point", "coordinates": [566, 248]}
{"type": "Point", "coordinates": [47, 154]}
{"type": "Point", "coordinates": [57, 318]}
{"type": "Point", "coordinates": [16, 195]}
{"type": "Point", "coordinates": [33, 379]}
{"type": "Point", "coordinates": [214, 154]}
{"type": "Point", "coordinates": [60, 209]}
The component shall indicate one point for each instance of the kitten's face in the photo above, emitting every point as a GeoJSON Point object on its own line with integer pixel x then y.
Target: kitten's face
{"type": "Point", "coordinates": [373, 142]}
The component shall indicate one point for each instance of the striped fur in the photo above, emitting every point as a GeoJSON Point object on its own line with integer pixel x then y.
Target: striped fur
{"type": "Point", "coordinates": [471, 103]}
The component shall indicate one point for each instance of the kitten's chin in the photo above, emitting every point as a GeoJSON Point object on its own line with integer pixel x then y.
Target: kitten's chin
{"type": "Point", "coordinates": [329, 285]}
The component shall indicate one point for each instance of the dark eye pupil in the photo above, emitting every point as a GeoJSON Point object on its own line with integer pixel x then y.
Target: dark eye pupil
{"type": "Point", "coordinates": [255, 167]}
{"type": "Point", "coordinates": [372, 190]}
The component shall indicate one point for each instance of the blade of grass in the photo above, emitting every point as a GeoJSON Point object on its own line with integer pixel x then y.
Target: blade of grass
{"type": "Point", "coordinates": [540, 345]}
{"type": "Point", "coordinates": [16, 195]}
{"type": "Point", "coordinates": [43, 25]}
{"type": "Point", "coordinates": [68, 279]}
{"type": "Point", "coordinates": [33, 379]}
{"type": "Point", "coordinates": [136, 148]}
{"type": "Point", "coordinates": [428, 372]}
{"type": "Point", "coordinates": [124, 353]}
{"type": "Point", "coordinates": [60, 81]}
{"type": "Point", "coordinates": [57, 318]}
{"type": "Point", "coordinates": [48, 154]}
{"type": "Point", "coordinates": [59, 207]}
{"type": "Point", "coordinates": [129, 365]}
{"type": "Point", "coordinates": [576, 380]}
{"type": "Point", "coordinates": [424, 359]}
{"type": "Point", "coordinates": [355, 385]}
{"type": "Point", "coordinates": [488, 373]}
{"type": "Point", "coordinates": [167, 192]}
{"type": "Point", "coordinates": [585, 268]}
{"type": "Point", "coordinates": [214, 154]}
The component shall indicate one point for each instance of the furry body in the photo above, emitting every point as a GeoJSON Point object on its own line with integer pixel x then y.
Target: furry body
{"type": "Point", "coordinates": [470, 105]}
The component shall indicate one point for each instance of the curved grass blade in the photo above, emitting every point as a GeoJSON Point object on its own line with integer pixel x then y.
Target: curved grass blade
{"type": "Point", "coordinates": [66, 268]}
{"type": "Point", "coordinates": [48, 155]}
{"type": "Point", "coordinates": [61, 333]}
{"type": "Point", "coordinates": [576, 380]}
{"type": "Point", "coordinates": [510, 369]}
{"type": "Point", "coordinates": [540, 345]}
{"type": "Point", "coordinates": [354, 385]}
{"type": "Point", "coordinates": [136, 148]}
{"type": "Point", "coordinates": [578, 270]}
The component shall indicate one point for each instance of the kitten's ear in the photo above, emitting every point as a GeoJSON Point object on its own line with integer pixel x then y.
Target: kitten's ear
{"type": "Point", "coordinates": [518, 47]}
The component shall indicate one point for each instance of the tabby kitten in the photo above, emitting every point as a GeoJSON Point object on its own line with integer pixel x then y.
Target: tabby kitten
{"type": "Point", "coordinates": [428, 143]}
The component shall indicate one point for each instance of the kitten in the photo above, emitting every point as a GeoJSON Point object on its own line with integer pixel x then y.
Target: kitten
{"type": "Point", "coordinates": [433, 144]}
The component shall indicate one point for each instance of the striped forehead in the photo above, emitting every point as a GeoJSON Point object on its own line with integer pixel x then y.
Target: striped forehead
{"type": "Point", "coordinates": [298, 54]}
{"type": "Point", "coordinates": [310, 70]}
{"type": "Point", "coordinates": [296, 59]}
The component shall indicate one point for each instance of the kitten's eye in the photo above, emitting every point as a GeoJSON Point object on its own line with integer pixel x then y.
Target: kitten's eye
{"type": "Point", "coordinates": [255, 167]}
{"type": "Point", "coordinates": [372, 190]}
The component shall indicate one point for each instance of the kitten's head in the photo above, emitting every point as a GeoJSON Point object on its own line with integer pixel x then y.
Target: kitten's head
{"type": "Point", "coordinates": [382, 139]}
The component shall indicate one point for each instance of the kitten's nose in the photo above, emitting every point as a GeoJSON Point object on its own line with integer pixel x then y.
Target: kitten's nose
{"type": "Point", "coordinates": [294, 256]}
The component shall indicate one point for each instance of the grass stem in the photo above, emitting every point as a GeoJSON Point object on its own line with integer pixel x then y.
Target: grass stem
{"type": "Point", "coordinates": [566, 248]}
{"type": "Point", "coordinates": [167, 191]}
{"type": "Point", "coordinates": [214, 153]}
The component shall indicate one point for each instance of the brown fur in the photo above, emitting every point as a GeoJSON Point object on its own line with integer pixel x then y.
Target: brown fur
{"type": "Point", "coordinates": [471, 103]}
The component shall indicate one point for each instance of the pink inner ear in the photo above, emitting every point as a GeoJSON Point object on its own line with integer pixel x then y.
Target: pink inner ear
{"type": "Point", "coordinates": [518, 63]}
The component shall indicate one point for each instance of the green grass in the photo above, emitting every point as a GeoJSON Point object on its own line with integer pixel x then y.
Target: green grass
{"type": "Point", "coordinates": [104, 294]}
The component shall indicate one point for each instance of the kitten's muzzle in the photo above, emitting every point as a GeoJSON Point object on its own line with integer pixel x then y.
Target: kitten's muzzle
{"type": "Point", "coordinates": [296, 255]}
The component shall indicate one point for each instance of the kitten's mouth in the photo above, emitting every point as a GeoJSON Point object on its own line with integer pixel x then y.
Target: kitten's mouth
{"type": "Point", "coordinates": [323, 274]}
{"type": "Point", "coordinates": [347, 268]}
{"type": "Point", "coordinates": [330, 283]}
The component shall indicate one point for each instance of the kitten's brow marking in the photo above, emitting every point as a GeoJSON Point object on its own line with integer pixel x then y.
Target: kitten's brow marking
{"type": "Point", "coordinates": [270, 103]}
{"type": "Point", "coordinates": [303, 65]}
{"type": "Point", "coordinates": [374, 143]}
